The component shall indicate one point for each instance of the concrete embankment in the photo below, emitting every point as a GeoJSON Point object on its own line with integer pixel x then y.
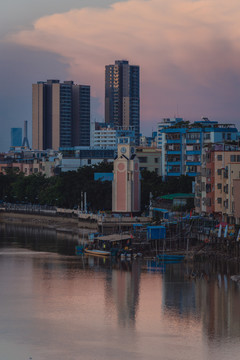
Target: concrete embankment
{"type": "Point", "coordinates": [60, 223]}
{"type": "Point", "coordinates": [70, 222]}
{"type": "Point", "coordinates": [67, 220]}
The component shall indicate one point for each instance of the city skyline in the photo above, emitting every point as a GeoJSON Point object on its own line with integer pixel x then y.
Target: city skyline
{"type": "Point", "coordinates": [187, 50]}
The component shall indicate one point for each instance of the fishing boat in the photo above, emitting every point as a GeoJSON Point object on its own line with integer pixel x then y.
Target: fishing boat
{"type": "Point", "coordinates": [96, 252]}
{"type": "Point", "coordinates": [168, 257]}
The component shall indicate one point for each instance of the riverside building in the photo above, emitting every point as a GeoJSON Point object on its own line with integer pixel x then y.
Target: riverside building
{"type": "Point", "coordinates": [217, 184]}
{"type": "Point", "coordinates": [182, 144]}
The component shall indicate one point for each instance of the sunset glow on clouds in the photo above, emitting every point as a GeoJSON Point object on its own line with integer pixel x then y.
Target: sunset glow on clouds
{"type": "Point", "coordinates": [188, 51]}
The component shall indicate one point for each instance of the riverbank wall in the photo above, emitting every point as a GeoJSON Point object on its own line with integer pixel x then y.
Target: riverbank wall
{"type": "Point", "coordinates": [59, 223]}
{"type": "Point", "coordinates": [69, 221]}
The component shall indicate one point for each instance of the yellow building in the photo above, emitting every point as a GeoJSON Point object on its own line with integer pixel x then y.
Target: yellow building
{"type": "Point", "coordinates": [149, 159]}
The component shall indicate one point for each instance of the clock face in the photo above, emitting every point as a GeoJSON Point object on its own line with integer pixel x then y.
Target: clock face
{"type": "Point", "coordinates": [123, 150]}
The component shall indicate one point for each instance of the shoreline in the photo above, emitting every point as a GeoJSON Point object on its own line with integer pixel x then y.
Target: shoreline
{"type": "Point", "coordinates": [59, 223]}
{"type": "Point", "coordinates": [80, 227]}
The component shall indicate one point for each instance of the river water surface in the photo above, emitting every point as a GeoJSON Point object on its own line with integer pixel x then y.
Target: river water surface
{"type": "Point", "coordinates": [56, 306]}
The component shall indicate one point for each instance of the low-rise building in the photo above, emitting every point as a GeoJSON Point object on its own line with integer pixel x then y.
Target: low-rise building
{"type": "Point", "coordinates": [149, 159]}
{"type": "Point", "coordinates": [75, 157]}
{"type": "Point", "coordinates": [30, 162]}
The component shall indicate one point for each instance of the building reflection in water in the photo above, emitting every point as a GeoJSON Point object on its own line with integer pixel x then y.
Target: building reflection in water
{"type": "Point", "coordinates": [122, 291]}
{"type": "Point", "coordinates": [41, 239]}
{"type": "Point", "coordinates": [98, 290]}
{"type": "Point", "coordinates": [207, 294]}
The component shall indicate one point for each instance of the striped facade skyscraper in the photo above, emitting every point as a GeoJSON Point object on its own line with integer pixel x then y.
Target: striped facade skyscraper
{"type": "Point", "coordinates": [122, 99]}
{"type": "Point", "coordinates": [60, 115]}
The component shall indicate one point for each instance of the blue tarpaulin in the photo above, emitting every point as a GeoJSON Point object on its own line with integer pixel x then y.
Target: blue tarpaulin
{"type": "Point", "coordinates": [156, 232]}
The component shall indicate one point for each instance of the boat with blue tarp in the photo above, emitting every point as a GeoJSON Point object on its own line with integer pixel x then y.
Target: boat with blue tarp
{"type": "Point", "coordinates": [170, 257]}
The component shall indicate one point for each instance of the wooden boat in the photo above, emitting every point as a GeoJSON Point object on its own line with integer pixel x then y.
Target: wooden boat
{"type": "Point", "coordinates": [96, 252]}
{"type": "Point", "coordinates": [166, 257]}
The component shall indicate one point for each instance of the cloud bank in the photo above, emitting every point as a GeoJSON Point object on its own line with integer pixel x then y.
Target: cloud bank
{"type": "Point", "coordinates": [188, 52]}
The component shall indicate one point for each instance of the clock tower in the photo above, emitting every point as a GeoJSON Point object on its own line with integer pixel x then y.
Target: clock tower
{"type": "Point", "coordinates": [126, 179]}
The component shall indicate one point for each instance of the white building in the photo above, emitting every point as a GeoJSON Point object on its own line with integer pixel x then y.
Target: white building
{"type": "Point", "coordinates": [105, 138]}
{"type": "Point", "coordinates": [166, 122]}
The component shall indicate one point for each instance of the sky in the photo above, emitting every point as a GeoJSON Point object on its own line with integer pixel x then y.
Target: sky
{"type": "Point", "coordinates": [188, 52]}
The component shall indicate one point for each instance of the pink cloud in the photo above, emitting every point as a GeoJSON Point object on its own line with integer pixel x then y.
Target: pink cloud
{"type": "Point", "coordinates": [185, 49]}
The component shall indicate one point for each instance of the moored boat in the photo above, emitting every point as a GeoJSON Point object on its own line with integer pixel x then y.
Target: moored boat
{"type": "Point", "coordinates": [96, 252]}
{"type": "Point", "coordinates": [169, 257]}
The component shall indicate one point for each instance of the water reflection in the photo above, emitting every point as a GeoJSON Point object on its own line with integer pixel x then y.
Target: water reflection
{"type": "Point", "coordinates": [205, 292]}
{"type": "Point", "coordinates": [122, 290]}
{"type": "Point", "coordinates": [66, 307]}
{"type": "Point", "coordinates": [40, 239]}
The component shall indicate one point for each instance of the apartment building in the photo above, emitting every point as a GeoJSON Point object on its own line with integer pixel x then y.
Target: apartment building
{"type": "Point", "coordinates": [182, 144]}
{"type": "Point", "coordinates": [216, 190]}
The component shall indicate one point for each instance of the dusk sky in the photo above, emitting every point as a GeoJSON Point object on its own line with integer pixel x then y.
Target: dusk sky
{"type": "Point", "coordinates": [188, 52]}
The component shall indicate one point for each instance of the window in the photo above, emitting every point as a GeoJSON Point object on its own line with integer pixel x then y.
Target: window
{"type": "Point", "coordinates": [233, 158]}
{"type": "Point", "coordinates": [156, 160]}
{"type": "Point", "coordinates": [208, 172]}
{"type": "Point", "coordinates": [226, 172]}
{"type": "Point", "coordinates": [225, 189]}
{"type": "Point", "coordinates": [193, 136]}
{"type": "Point", "coordinates": [208, 188]}
{"type": "Point", "coordinates": [219, 186]}
{"type": "Point", "coordinates": [208, 202]}
{"type": "Point", "coordinates": [219, 171]}
{"type": "Point", "coordinates": [142, 159]}
{"type": "Point", "coordinates": [219, 157]}
{"type": "Point", "coordinates": [219, 200]}
{"type": "Point", "coordinates": [225, 204]}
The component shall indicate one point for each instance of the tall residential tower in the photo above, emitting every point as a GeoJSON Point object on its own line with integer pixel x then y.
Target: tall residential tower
{"type": "Point", "coordinates": [122, 101]}
{"type": "Point", "coordinates": [60, 115]}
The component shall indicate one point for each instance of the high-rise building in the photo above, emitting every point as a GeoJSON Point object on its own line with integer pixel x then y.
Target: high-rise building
{"type": "Point", "coordinates": [16, 136]}
{"type": "Point", "coordinates": [60, 115]}
{"type": "Point", "coordinates": [122, 100]}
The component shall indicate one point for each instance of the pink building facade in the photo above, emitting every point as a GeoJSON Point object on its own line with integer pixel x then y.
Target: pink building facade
{"type": "Point", "coordinates": [126, 180]}
{"type": "Point", "coordinates": [217, 185]}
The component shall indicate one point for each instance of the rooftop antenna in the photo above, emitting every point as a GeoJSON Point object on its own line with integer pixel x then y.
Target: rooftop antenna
{"type": "Point", "coordinates": [25, 138]}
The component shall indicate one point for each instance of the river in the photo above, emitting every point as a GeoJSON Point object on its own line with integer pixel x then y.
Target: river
{"type": "Point", "coordinates": [57, 306]}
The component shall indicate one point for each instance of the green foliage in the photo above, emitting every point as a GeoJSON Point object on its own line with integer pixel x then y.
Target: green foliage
{"type": "Point", "coordinates": [153, 183]}
{"type": "Point", "coordinates": [66, 189]}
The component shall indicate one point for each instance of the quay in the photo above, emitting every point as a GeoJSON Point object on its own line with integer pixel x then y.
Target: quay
{"type": "Point", "coordinates": [196, 237]}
